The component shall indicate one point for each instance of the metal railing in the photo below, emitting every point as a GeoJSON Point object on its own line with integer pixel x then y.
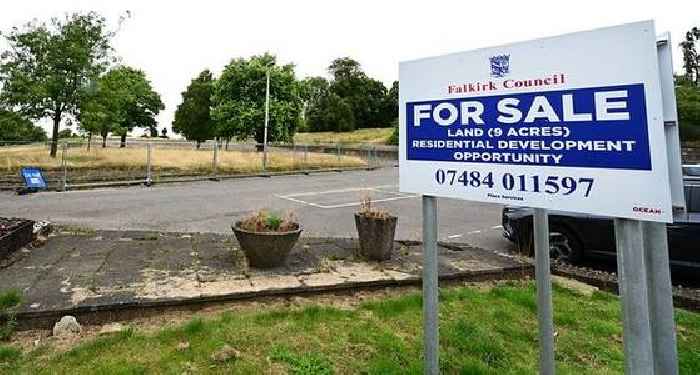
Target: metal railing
{"type": "Point", "coordinates": [80, 164]}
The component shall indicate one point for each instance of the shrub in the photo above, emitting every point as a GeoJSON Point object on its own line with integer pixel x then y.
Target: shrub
{"type": "Point", "coordinates": [394, 137]}
{"type": "Point", "coordinates": [367, 210]}
{"type": "Point", "coordinates": [264, 221]}
{"type": "Point", "coordinates": [9, 301]}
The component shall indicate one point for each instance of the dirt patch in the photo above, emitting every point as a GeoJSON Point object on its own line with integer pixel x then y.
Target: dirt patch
{"type": "Point", "coordinates": [350, 300]}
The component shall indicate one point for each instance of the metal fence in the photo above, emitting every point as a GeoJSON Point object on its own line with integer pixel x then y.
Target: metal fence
{"type": "Point", "coordinates": [80, 164]}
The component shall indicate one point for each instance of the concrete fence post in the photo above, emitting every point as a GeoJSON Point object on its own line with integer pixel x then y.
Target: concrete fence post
{"type": "Point", "coordinates": [369, 154]}
{"type": "Point", "coordinates": [338, 146]}
{"type": "Point", "coordinates": [64, 164]}
{"type": "Point", "coordinates": [215, 160]}
{"type": "Point", "coordinates": [149, 179]}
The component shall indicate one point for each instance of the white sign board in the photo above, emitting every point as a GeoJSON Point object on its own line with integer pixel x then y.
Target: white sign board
{"type": "Point", "coordinates": [571, 123]}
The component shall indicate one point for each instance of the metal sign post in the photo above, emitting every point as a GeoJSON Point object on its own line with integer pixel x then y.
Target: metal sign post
{"type": "Point", "coordinates": [430, 286]}
{"type": "Point", "coordinates": [663, 330]}
{"type": "Point", "coordinates": [632, 282]}
{"type": "Point", "coordinates": [544, 291]}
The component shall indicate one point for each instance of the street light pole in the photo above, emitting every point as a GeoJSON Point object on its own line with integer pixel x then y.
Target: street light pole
{"type": "Point", "coordinates": [267, 117]}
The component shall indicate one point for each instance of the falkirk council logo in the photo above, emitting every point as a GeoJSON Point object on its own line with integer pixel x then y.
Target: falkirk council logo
{"type": "Point", "coordinates": [499, 65]}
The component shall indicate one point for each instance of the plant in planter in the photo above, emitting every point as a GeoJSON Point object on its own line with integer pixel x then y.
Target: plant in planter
{"type": "Point", "coordinates": [375, 229]}
{"type": "Point", "coordinates": [267, 238]}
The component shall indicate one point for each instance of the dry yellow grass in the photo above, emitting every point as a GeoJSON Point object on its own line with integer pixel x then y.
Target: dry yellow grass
{"type": "Point", "coordinates": [369, 135]}
{"type": "Point", "coordinates": [164, 159]}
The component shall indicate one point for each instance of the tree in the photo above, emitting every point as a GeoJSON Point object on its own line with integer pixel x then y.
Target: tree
{"type": "Point", "coordinates": [311, 90]}
{"type": "Point", "coordinates": [122, 100]}
{"type": "Point", "coordinates": [193, 115]}
{"type": "Point", "coordinates": [15, 128]}
{"type": "Point", "coordinates": [239, 99]}
{"type": "Point", "coordinates": [390, 108]}
{"type": "Point", "coordinates": [365, 95]}
{"type": "Point", "coordinates": [691, 59]}
{"type": "Point", "coordinates": [48, 65]}
{"type": "Point", "coordinates": [140, 104]}
{"type": "Point", "coordinates": [688, 104]}
{"type": "Point", "coordinates": [331, 113]}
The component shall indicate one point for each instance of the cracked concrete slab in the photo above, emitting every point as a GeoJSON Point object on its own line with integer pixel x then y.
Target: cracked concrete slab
{"type": "Point", "coordinates": [93, 270]}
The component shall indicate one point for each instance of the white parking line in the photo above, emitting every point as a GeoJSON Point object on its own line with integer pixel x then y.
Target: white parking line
{"type": "Point", "coordinates": [455, 236]}
{"type": "Point", "coordinates": [497, 227]}
{"type": "Point", "coordinates": [378, 189]}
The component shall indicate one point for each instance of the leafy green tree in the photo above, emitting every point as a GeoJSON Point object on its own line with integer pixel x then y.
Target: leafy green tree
{"type": "Point", "coordinates": [44, 71]}
{"type": "Point", "coordinates": [239, 99]}
{"type": "Point", "coordinates": [15, 128]}
{"type": "Point", "coordinates": [311, 89]}
{"type": "Point", "coordinates": [140, 104]}
{"type": "Point", "coordinates": [688, 104]}
{"type": "Point", "coordinates": [691, 58]}
{"type": "Point", "coordinates": [193, 115]}
{"type": "Point", "coordinates": [331, 113]}
{"type": "Point", "coordinates": [390, 110]}
{"type": "Point", "coordinates": [122, 100]}
{"type": "Point", "coordinates": [365, 95]}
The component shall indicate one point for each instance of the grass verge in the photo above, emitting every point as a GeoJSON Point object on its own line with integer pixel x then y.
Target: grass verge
{"type": "Point", "coordinates": [369, 135]}
{"type": "Point", "coordinates": [164, 159]}
{"type": "Point", "coordinates": [483, 331]}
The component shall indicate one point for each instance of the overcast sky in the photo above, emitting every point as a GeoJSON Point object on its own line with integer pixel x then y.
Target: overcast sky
{"type": "Point", "coordinates": [174, 40]}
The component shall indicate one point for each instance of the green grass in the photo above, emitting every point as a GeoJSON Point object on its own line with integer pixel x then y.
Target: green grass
{"type": "Point", "coordinates": [369, 135]}
{"type": "Point", "coordinates": [9, 301]}
{"type": "Point", "coordinates": [483, 331]}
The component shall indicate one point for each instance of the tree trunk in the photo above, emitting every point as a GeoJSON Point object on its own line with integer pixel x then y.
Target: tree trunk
{"type": "Point", "coordinates": [227, 140]}
{"type": "Point", "coordinates": [104, 140]}
{"type": "Point", "coordinates": [54, 138]}
{"type": "Point", "coordinates": [89, 140]}
{"type": "Point", "coordinates": [123, 141]}
{"type": "Point", "coordinates": [198, 144]}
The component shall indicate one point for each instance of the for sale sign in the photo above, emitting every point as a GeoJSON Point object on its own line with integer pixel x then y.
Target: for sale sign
{"type": "Point", "coordinates": [571, 123]}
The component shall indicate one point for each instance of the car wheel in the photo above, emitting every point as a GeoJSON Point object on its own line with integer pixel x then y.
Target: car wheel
{"type": "Point", "coordinates": [564, 245]}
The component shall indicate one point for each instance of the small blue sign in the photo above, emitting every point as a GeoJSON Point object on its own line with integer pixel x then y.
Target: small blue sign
{"type": "Point", "coordinates": [33, 178]}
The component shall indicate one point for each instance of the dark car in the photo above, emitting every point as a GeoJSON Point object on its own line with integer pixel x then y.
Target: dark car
{"type": "Point", "coordinates": [574, 237]}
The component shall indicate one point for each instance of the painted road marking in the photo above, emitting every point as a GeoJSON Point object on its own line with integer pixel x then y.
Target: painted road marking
{"type": "Point", "coordinates": [377, 189]}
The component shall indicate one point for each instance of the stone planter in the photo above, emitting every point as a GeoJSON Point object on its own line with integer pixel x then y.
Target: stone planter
{"type": "Point", "coordinates": [266, 249]}
{"type": "Point", "coordinates": [376, 236]}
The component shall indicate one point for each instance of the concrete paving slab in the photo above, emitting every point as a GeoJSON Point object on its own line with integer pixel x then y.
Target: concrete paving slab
{"type": "Point", "coordinates": [85, 271]}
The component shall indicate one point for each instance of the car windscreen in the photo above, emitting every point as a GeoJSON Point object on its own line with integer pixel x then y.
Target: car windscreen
{"type": "Point", "coordinates": [691, 170]}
